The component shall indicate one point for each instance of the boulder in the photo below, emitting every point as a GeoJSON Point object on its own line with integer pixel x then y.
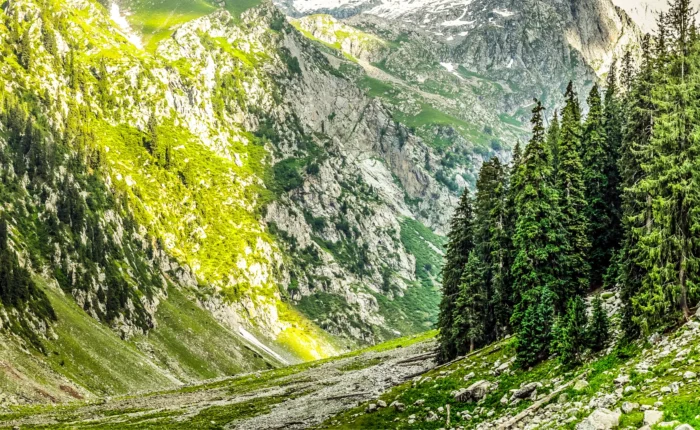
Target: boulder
{"type": "Point", "coordinates": [525, 391]}
{"type": "Point", "coordinates": [580, 385]}
{"type": "Point", "coordinates": [600, 419]}
{"type": "Point", "coordinates": [628, 407]}
{"type": "Point", "coordinates": [474, 392]}
{"type": "Point", "coordinates": [398, 406]}
{"type": "Point", "coordinates": [652, 417]}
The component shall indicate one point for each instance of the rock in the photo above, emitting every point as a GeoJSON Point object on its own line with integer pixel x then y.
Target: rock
{"type": "Point", "coordinates": [419, 402]}
{"type": "Point", "coordinates": [600, 419]}
{"type": "Point", "coordinates": [381, 403]}
{"type": "Point", "coordinates": [675, 387]}
{"type": "Point", "coordinates": [652, 417]}
{"type": "Point", "coordinates": [502, 368]}
{"type": "Point", "coordinates": [563, 398]}
{"type": "Point", "coordinates": [622, 380]}
{"type": "Point", "coordinates": [398, 406]}
{"type": "Point", "coordinates": [432, 416]}
{"type": "Point", "coordinates": [630, 389]}
{"type": "Point", "coordinates": [504, 399]}
{"type": "Point", "coordinates": [475, 392]}
{"type": "Point", "coordinates": [689, 375]}
{"type": "Point", "coordinates": [525, 391]}
{"type": "Point", "coordinates": [628, 407]}
{"type": "Point", "coordinates": [667, 424]}
{"type": "Point", "coordinates": [654, 338]}
{"type": "Point", "coordinates": [580, 385]}
{"type": "Point", "coordinates": [697, 313]}
{"type": "Point", "coordinates": [665, 390]}
{"type": "Point", "coordinates": [469, 376]}
{"type": "Point", "coordinates": [684, 426]}
{"type": "Point", "coordinates": [372, 407]}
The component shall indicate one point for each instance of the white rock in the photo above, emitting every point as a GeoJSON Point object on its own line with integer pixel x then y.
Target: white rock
{"type": "Point", "coordinates": [581, 385]}
{"type": "Point", "coordinates": [628, 407]}
{"type": "Point", "coordinates": [652, 417]}
{"type": "Point", "coordinates": [600, 419]}
{"type": "Point", "coordinates": [689, 375]}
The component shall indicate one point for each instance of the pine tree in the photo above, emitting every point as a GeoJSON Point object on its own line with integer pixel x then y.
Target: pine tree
{"type": "Point", "coordinates": [595, 161]}
{"type": "Point", "coordinates": [491, 242]}
{"type": "Point", "coordinates": [571, 189]}
{"type": "Point", "coordinates": [666, 247]}
{"type": "Point", "coordinates": [636, 202]}
{"type": "Point", "coordinates": [612, 117]}
{"type": "Point", "coordinates": [553, 142]}
{"type": "Point", "coordinates": [538, 239]}
{"type": "Point", "coordinates": [572, 332]}
{"type": "Point", "coordinates": [535, 329]}
{"type": "Point", "coordinates": [599, 327]}
{"type": "Point", "coordinates": [461, 243]}
{"type": "Point", "coordinates": [470, 319]}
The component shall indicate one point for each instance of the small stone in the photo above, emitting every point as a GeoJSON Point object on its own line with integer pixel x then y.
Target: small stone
{"type": "Point", "coordinates": [419, 402]}
{"type": "Point", "coordinates": [432, 416]}
{"type": "Point", "coordinates": [684, 427]}
{"type": "Point", "coordinates": [622, 380]}
{"type": "Point", "coordinates": [372, 407]}
{"type": "Point", "coordinates": [689, 375]}
{"type": "Point", "coordinates": [469, 376]}
{"type": "Point", "coordinates": [630, 389]}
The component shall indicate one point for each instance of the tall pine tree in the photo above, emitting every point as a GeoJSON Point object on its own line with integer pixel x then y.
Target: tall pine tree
{"type": "Point", "coordinates": [471, 311]}
{"type": "Point", "coordinates": [596, 156]}
{"type": "Point", "coordinates": [538, 239]}
{"type": "Point", "coordinates": [572, 201]}
{"type": "Point", "coordinates": [461, 243]}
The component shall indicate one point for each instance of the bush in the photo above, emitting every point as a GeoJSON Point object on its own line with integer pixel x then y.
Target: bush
{"type": "Point", "coordinates": [287, 175]}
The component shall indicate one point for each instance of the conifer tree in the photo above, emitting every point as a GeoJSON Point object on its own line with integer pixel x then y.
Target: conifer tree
{"type": "Point", "coordinates": [553, 142]}
{"type": "Point", "coordinates": [612, 117]}
{"type": "Point", "coordinates": [636, 202]}
{"type": "Point", "coordinates": [491, 242]}
{"type": "Point", "coordinates": [461, 243]}
{"type": "Point", "coordinates": [572, 332]}
{"type": "Point", "coordinates": [599, 327]}
{"type": "Point", "coordinates": [538, 239]}
{"type": "Point", "coordinates": [571, 189]}
{"type": "Point", "coordinates": [596, 157]}
{"type": "Point", "coordinates": [666, 247]}
{"type": "Point", "coordinates": [470, 320]}
{"type": "Point", "coordinates": [535, 329]}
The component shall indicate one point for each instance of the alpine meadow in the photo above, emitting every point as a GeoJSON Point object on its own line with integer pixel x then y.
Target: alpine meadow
{"type": "Point", "coordinates": [350, 214]}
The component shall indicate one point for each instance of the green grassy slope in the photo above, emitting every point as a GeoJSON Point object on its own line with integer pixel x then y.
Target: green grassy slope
{"type": "Point", "coordinates": [156, 19]}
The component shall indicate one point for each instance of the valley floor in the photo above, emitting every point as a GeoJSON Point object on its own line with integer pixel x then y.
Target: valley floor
{"type": "Point", "coordinates": [294, 397]}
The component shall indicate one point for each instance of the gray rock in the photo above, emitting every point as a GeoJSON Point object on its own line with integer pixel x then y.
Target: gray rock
{"type": "Point", "coordinates": [432, 416]}
{"type": "Point", "coordinates": [689, 375]}
{"type": "Point", "coordinates": [525, 391]}
{"type": "Point", "coordinates": [398, 406]}
{"type": "Point", "coordinates": [381, 403]}
{"type": "Point", "coordinates": [474, 392]}
{"type": "Point", "coordinates": [372, 407]}
{"type": "Point", "coordinates": [684, 426]}
{"type": "Point", "coordinates": [600, 419]}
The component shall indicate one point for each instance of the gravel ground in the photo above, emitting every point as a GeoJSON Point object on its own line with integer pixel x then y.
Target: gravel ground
{"type": "Point", "coordinates": [314, 395]}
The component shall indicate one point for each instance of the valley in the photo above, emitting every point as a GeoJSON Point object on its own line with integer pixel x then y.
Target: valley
{"type": "Point", "coordinates": [267, 214]}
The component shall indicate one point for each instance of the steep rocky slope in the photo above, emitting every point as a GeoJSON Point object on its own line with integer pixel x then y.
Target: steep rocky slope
{"type": "Point", "coordinates": [462, 75]}
{"type": "Point", "coordinates": [215, 181]}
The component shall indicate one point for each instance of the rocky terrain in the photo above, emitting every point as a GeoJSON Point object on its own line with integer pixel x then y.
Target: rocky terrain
{"type": "Point", "coordinates": [296, 397]}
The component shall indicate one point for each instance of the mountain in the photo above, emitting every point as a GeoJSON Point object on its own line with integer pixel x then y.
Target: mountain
{"type": "Point", "coordinates": [644, 13]}
{"type": "Point", "coordinates": [201, 188]}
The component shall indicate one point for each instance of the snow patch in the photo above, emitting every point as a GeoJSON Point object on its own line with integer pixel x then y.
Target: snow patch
{"type": "Point", "coordinates": [448, 66]}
